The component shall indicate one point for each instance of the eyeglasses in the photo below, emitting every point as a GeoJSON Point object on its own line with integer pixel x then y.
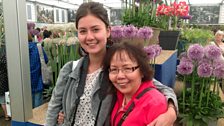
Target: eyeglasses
{"type": "Point", "coordinates": [125, 70]}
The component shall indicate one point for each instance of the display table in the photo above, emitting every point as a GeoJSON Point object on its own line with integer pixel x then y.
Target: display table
{"type": "Point", "coordinates": [165, 67]}
{"type": "Point", "coordinates": [39, 116]}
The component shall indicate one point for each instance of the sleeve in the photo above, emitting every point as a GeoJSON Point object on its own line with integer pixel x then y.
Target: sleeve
{"type": "Point", "coordinates": [156, 107]}
{"type": "Point", "coordinates": [167, 91]}
{"type": "Point", "coordinates": [55, 104]}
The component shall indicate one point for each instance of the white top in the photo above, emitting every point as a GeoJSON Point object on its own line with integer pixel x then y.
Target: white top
{"type": "Point", "coordinates": [84, 116]}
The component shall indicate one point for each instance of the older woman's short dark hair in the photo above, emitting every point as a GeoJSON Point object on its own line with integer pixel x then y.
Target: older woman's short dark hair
{"type": "Point", "coordinates": [135, 52]}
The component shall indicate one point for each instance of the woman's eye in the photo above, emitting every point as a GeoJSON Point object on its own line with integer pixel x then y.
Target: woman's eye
{"type": "Point", "coordinates": [95, 30]}
{"type": "Point", "coordinates": [128, 69]}
{"type": "Point", "coordinates": [82, 31]}
{"type": "Point", "coordinates": [113, 70]}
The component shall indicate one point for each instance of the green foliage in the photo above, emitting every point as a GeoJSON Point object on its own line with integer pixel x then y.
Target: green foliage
{"type": "Point", "coordinates": [64, 53]}
{"type": "Point", "coordinates": [211, 107]}
{"type": "Point", "coordinates": [144, 15]}
{"type": "Point", "coordinates": [196, 35]}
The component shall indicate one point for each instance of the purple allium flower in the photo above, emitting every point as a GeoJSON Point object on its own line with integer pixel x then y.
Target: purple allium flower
{"type": "Point", "coordinates": [185, 68]}
{"type": "Point", "coordinates": [157, 48]}
{"type": "Point", "coordinates": [212, 52]}
{"type": "Point", "coordinates": [116, 32]}
{"type": "Point", "coordinates": [195, 52]}
{"type": "Point", "coordinates": [218, 62]}
{"type": "Point", "coordinates": [145, 33]}
{"type": "Point", "coordinates": [150, 51]}
{"type": "Point", "coordinates": [34, 32]}
{"type": "Point", "coordinates": [204, 60]}
{"type": "Point", "coordinates": [204, 70]}
{"type": "Point", "coordinates": [184, 58]}
{"type": "Point", "coordinates": [183, 54]}
{"type": "Point", "coordinates": [30, 25]}
{"type": "Point", "coordinates": [219, 71]}
{"type": "Point", "coordinates": [129, 31]}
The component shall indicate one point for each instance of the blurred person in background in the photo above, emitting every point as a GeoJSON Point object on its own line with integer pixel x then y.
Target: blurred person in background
{"type": "Point", "coordinates": [3, 83]}
{"type": "Point", "coordinates": [35, 72]}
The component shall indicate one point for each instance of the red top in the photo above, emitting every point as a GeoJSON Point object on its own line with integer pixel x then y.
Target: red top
{"type": "Point", "coordinates": [147, 108]}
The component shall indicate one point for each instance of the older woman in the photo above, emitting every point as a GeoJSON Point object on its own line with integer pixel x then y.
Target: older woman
{"type": "Point", "coordinates": [218, 40]}
{"type": "Point", "coordinates": [138, 101]}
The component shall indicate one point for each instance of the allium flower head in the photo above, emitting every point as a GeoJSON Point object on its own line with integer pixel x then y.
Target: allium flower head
{"type": "Point", "coordinates": [213, 52]}
{"type": "Point", "coordinates": [185, 68]}
{"type": "Point", "coordinates": [195, 52]}
{"type": "Point", "coordinates": [150, 51]}
{"type": "Point", "coordinates": [204, 60]}
{"type": "Point", "coordinates": [157, 49]}
{"type": "Point", "coordinates": [218, 62]}
{"type": "Point", "coordinates": [219, 71]}
{"type": "Point", "coordinates": [30, 25]}
{"type": "Point", "coordinates": [34, 32]}
{"type": "Point", "coordinates": [116, 32]}
{"type": "Point", "coordinates": [145, 33]}
{"type": "Point", "coordinates": [129, 31]}
{"type": "Point", "coordinates": [204, 70]}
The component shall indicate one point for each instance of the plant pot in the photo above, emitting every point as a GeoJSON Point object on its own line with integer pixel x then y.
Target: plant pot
{"type": "Point", "coordinates": [155, 37]}
{"type": "Point", "coordinates": [168, 39]}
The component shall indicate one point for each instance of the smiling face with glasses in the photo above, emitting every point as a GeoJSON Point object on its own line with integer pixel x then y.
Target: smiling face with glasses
{"type": "Point", "coordinates": [125, 74]}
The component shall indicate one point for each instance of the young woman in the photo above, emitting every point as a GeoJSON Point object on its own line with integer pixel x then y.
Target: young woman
{"type": "Point", "coordinates": [82, 93]}
{"type": "Point", "coordinates": [131, 75]}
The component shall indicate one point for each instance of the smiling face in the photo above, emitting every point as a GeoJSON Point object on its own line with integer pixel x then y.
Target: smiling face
{"type": "Point", "coordinates": [126, 82]}
{"type": "Point", "coordinates": [218, 37]}
{"type": "Point", "coordinates": [93, 34]}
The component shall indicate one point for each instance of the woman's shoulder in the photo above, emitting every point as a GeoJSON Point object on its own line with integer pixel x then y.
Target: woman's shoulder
{"type": "Point", "coordinates": [155, 97]}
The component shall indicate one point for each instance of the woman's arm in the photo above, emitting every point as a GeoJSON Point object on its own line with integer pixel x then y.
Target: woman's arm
{"type": "Point", "coordinates": [169, 117]}
{"type": "Point", "coordinates": [55, 104]}
{"type": "Point", "coordinates": [168, 92]}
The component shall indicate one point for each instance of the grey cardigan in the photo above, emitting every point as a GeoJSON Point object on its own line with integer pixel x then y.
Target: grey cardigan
{"type": "Point", "coordinates": [64, 96]}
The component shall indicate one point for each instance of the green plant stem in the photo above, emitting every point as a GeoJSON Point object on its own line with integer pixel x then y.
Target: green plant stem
{"type": "Point", "coordinates": [201, 93]}
{"type": "Point", "coordinates": [133, 7]}
{"type": "Point", "coordinates": [217, 87]}
{"type": "Point", "coordinates": [184, 93]}
{"type": "Point", "coordinates": [192, 89]}
{"type": "Point", "coordinates": [214, 85]}
{"type": "Point", "coordinates": [208, 93]}
{"type": "Point", "coordinates": [175, 23]}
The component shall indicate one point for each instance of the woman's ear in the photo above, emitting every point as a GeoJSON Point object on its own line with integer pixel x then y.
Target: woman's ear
{"type": "Point", "coordinates": [108, 31]}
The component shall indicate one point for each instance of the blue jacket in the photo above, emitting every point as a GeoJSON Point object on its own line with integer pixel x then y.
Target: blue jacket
{"type": "Point", "coordinates": [35, 68]}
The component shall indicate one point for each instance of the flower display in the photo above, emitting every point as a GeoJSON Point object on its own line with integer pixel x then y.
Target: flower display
{"type": "Point", "coordinates": [174, 10]}
{"type": "Point", "coordinates": [152, 51]}
{"type": "Point", "coordinates": [201, 67]}
{"type": "Point", "coordinates": [195, 52]}
{"type": "Point", "coordinates": [142, 13]}
{"type": "Point", "coordinates": [130, 32]}
{"type": "Point", "coordinates": [116, 33]}
{"type": "Point", "coordinates": [145, 33]}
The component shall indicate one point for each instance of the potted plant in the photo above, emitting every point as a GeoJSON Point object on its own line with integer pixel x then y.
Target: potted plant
{"type": "Point", "coordinates": [142, 13]}
{"type": "Point", "coordinates": [194, 35]}
{"type": "Point", "coordinates": [169, 37]}
{"type": "Point", "coordinates": [201, 68]}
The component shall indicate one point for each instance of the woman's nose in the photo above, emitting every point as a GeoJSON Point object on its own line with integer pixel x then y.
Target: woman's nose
{"type": "Point", "coordinates": [89, 35]}
{"type": "Point", "coordinates": [120, 74]}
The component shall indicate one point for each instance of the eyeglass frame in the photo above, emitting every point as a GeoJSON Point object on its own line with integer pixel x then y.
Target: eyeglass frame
{"type": "Point", "coordinates": [123, 70]}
